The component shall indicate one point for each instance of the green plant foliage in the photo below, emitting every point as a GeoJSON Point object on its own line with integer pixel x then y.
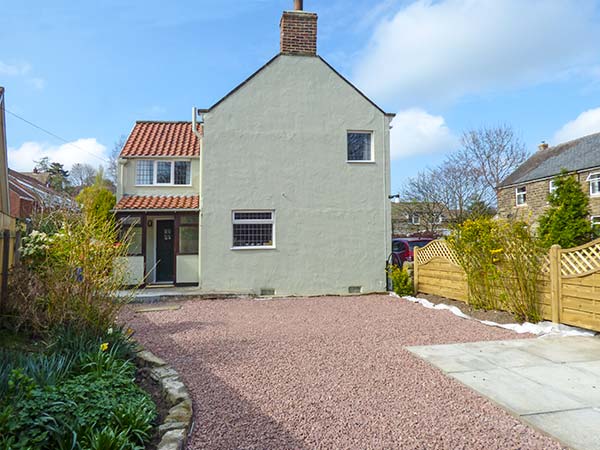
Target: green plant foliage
{"type": "Point", "coordinates": [566, 222]}
{"type": "Point", "coordinates": [502, 261]}
{"type": "Point", "coordinates": [69, 277]}
{"type": "Point", "coordinates": [401, 280]}
{"type": "Point", "coordinates": [84, 402]}
{"type": "Point", "coordinates": [97, 202]}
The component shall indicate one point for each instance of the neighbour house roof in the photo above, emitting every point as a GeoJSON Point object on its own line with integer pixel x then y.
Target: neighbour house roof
{"type": "Point", "coordinates": [576, 155]}
{"type": "Point", "coordinates": [163, 202]}
{"type": "Point", "coordinates": [149, 138]}
{"type": "Point", "coordinates": [268, 63]}
{"type": "Point", "coordinates": [30, 188]}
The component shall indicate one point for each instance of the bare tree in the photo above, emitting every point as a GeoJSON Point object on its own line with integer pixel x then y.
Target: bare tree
{"type": "Point", "coordinates": [113, 160]}
{"type": "Point", "coordinates": [494, 153]}
{"type": "Point", "coordinates": [82, 175]}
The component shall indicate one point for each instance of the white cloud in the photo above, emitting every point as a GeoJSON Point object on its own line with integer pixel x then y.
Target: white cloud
{"type": "Point", "coordinates": [81, 150]}
{"type": "Point", "coordinates": [587, 122]}
{"type": "Point", "coordinates": [37, 82]}
{"type": "Point", "coordinates": [446, 49]}
{"type": "Point", "coordinates": [415, 132]}
{"type": "Point", "coordinates": [14, 70]}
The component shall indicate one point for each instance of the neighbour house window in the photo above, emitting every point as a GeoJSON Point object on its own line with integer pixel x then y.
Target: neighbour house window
{"type": "Point", "coordinates": [144, 173]}
{"type": "Point", "coordinates": [360, 146]}
{"type": "Point", "coordinates": [594, 180]}
{"type": "Point", "coordinates": [415, 219]}
{"type": "Point", "coordinates": [552, 186]}
{"type": "Point", "coordinates": [163, 172]}
{"type": "Point", "coordinates": [439, 219]}
{"type": "Point", "coordinates": [521, 195]}
{"type": "Point", "coordinates": [131, 231]}
{"type": "Point", "coordinates": [188, 234]}
{"type": "Point", "coordinates": [595, 220]}
{"type": "Point", "coordinates": [252, 229]}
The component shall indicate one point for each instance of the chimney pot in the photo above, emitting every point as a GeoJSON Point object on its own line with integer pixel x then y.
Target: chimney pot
{"type": "Point", "coordinates": [298, 5]}
{"type": "Point", "coordinates": [543, 146]}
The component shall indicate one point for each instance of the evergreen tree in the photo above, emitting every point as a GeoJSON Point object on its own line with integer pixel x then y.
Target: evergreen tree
{"type": "Point", "coordinates": [97, 200]}
{"type": "Point", "coordinates": [566, 222]}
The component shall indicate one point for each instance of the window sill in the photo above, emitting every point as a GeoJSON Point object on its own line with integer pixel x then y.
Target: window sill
{"type": "Point", "coordinates": [255, 247]}
{"type": "Point", "coordinates": [521, 205]}
{"type": "Point", "coordinates": [359, 162]}
{"type": "Point", "coordinates": [163, 185]}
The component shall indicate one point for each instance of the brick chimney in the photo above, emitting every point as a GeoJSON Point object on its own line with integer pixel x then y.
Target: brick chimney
{"type": "Point", "coordinates": [543, 146]}
{"type": "Point", "coordinates": [298, 31]}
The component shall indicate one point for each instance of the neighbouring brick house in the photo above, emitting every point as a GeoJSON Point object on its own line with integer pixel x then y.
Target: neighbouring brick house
{"type": "Point", "coordinates": [28, 194]}
{"type": "Point", "coordinates": [414, 218]}
{"type": "Point", "coordinates": [524, 194]}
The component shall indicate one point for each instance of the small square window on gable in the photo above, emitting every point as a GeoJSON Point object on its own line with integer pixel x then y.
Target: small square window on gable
{"type": "Point", "coordinates": [360, 146]}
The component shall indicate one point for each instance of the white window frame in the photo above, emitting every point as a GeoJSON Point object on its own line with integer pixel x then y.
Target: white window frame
{"type": "Point", "coordinates": [594, 179]}
{"type": "Point", "coordinates": [272, 221]}
{"type": "Point", "coordinates": [155, 172]}
{"type": "Point", "coordinates": [521, 194]}
{"type": "Point", "coordinates": [595, 220]}
{"type": "Point", "coordinates": [361, 161]}
{"type": "Point", "coordinates": [413, 221]}
{"type": "Point", "coordinates": [552, 186]}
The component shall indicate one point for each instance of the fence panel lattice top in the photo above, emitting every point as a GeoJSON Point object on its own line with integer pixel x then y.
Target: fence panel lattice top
{"type": "Point", "coordinates": [581, 260]}
{"type": "Point", "coordinates": [437, 249]}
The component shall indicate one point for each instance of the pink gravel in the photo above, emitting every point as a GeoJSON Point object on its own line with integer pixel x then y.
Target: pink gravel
{"type": "Point", "coordinates": [328, 372]}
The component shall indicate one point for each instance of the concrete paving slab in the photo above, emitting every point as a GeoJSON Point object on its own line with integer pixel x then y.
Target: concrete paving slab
{"type": "Point", "coordinates": [515, 392]}
{"type": "Point", "coordinates": [581, 385]}
{"type": "Point", "coordinates": [550, 383]}
{"type": "Point", "coordinates": [577, 429]}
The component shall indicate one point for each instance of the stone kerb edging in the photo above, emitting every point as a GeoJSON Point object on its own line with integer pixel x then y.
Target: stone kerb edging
{"type": "Point", "coordinates": [178, 424]}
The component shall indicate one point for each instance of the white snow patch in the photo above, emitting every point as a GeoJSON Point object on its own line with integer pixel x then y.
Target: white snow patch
{"type": "Point", "coordinates": [541, 329]}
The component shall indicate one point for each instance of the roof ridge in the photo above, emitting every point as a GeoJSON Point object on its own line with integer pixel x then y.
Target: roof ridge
{"type": "Point", "coordinates": [597, 133]}
{"type": "Point", "coordinates": [164, 121]}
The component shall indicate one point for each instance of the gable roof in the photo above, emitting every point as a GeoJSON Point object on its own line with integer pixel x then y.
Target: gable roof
{"type": "Point", "coordinates": [30, 188]}
{"type": "Point", "coordinates": [268, 63]}
{"type": "Point", "coordinates": [575, 155]}
{"type": "Point", "coordinates": [160, 138]}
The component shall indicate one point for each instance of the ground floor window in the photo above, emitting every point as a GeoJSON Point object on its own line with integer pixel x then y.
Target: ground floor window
{"type": "Point", "coordinates": [188, 234]}
{"type": "Point", "coordinates": [252, 229]}
{"type": "Point", "coordinates": [131, 232]}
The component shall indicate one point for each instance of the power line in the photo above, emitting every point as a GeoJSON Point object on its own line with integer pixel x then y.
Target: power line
{"type": "Point", "coordinates": [54, 135]}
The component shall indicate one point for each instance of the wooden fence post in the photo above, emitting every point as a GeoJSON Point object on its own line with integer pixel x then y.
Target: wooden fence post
{"type": "Point", "coordinates": [416, 269]}
{"type": "Point", "coordinates": [555, 282]}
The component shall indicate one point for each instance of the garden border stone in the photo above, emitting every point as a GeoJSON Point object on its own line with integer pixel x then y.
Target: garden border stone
{"type": "Point", "coordinates": [177, 426]}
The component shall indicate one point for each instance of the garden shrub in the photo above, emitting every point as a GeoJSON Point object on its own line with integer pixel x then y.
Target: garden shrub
{"type": "Point", "coordinates": [566, 222]}
{"type": "Point", "coordinates": [502, 261]}
{"type": "Point", "coordinates": [401, 280]}
{"type": "Point", "coordinates": [68, 276]}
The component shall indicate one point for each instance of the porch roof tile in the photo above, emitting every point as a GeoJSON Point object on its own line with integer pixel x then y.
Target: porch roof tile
{"type": "Point", "coordinates": [158, 202]}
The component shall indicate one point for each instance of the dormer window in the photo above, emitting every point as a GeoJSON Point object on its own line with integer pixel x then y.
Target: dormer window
{"type": "Point", "coordinates": [161, 172]}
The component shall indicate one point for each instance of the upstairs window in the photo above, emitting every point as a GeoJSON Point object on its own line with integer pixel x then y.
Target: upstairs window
{"type": "Point", "coordinates": [521, 195]}
{"type": "Point", "coordinates": [253, 229]}
{"type": "Point", "coordinates": [552, 186]}
{"type": "Point", "coordinates": [144, 173]}
{"type": "Point", "coordinates": [594, 180]}
{"type": "Point", "coordinates": [162, 172]}
{"type": "Point", "coordinates": [360, 146]}
{"type": "Point", "coordinates": [415, 219]}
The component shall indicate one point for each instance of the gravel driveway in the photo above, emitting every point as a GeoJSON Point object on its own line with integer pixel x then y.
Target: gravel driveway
{"type": "Point", "coordinates": [328, 372]}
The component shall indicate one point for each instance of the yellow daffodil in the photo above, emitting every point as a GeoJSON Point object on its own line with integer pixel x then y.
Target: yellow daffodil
{"type": "Point", "coordinates": [104, 346]}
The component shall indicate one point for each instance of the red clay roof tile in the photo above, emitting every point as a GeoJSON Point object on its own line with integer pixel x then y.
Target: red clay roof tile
{"type": "Point", "coordinates": [158, 202]}
{"type": "Point", "coordinates": [162, 139]}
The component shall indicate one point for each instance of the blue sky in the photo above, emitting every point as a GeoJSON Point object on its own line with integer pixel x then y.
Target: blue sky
{"type": "Point", "coordinates": [87, 70]}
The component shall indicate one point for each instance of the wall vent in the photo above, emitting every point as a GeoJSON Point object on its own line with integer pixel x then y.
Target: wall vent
{"type": "Point", "coordinates": [267, 292]}
{"type": "Point", "coordinates": [355, 289]}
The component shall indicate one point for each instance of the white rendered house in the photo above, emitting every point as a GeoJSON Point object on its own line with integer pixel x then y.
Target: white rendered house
{"type": "Point", "coordinates": [280, 188]}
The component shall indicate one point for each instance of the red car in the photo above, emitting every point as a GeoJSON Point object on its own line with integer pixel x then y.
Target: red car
{"type": "Point", "coordinates": [403, 248]}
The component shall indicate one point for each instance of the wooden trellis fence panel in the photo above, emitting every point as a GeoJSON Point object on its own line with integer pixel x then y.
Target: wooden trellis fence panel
{"type": "Point", "coordinates": [568, 286]}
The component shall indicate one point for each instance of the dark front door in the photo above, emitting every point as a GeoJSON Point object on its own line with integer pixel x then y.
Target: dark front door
{"type": "Point", "coordinates": [165, 254]}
